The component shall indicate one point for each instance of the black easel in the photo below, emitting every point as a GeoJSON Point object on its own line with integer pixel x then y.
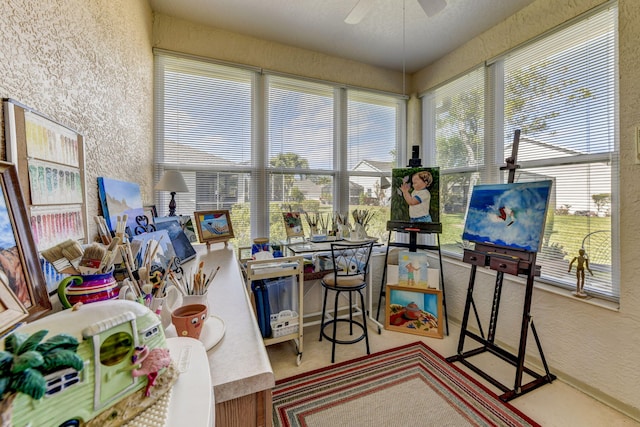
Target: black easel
{"type": "Point", "coordinates": [413, 229]}
{"type": "Point", "coordinates": [509, 261]}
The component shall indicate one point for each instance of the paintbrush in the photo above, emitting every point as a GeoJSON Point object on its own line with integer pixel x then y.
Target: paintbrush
{"type": "Point", "coordinates": [56, 257]}
{"type": "Point", "coordinates": [110, 255]}
{"type": "Point", "coordinates": [73, 252]}
{"type": "Point", "coordinates": [103, 231]}
{"type": "Point", "coordinates": [91, 259]}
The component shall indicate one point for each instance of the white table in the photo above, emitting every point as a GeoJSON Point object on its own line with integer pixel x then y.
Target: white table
{"type": "Point", "coordinates": [239, 366]}
{"type": "Point", "coordinates": [192, 394]}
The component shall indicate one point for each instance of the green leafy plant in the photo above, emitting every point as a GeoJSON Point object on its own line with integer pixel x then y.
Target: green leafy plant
{"type": "Point", "coordinates": [26, 360]}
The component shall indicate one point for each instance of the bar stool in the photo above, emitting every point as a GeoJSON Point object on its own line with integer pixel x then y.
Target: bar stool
{"type": "Point", "coordinates": [350, 268]}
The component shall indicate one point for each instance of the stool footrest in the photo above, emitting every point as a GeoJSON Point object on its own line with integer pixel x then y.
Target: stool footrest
{"type": "Point", "coordinates": [352, 323]}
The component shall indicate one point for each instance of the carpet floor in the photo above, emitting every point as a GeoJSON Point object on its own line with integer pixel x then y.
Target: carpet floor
{"type": "Point", "coordinates": [410, 385]}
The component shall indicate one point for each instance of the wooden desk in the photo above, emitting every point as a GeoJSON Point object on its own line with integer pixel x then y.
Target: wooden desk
{"type": "Point", "coordinates": [241, 373]}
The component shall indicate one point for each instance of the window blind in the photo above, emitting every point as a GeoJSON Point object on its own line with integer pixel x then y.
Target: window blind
{"type": "Point", "coordinates": [203, 128]}
{"type": "Point", "coordinates": [560, 92]}
{"type": "Point", "coordinates": [258, 143]}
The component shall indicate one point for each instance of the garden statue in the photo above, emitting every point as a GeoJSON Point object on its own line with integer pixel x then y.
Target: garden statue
{"type": "Point", "coordinates": [583, 262]}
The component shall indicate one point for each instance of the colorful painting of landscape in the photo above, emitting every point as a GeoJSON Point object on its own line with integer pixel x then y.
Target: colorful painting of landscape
{"type": "Point", "coordinates": [118, 198]}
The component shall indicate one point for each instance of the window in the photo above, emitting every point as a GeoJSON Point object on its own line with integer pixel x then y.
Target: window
{"type": "Point", "coordinates": [371, 151]}
{"type": "Point", "coordinates": [258, 143]}
{"type": "Point", "coordinates": [300, 168]}
{"type": "Point", "coordinates": [560, 91]}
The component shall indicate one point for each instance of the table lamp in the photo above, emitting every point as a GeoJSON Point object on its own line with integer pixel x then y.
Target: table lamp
{"type": "Point", "coordinates": [173, 182]}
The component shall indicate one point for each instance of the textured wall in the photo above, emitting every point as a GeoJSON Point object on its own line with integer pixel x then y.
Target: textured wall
{"type": "Point", "coordinates": [183, 36]}
{"type": "Point", "coordinates": [89, 66]}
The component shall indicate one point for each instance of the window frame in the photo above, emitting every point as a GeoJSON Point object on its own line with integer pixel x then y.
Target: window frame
{"type": "Point", "coordinates": [255, 175]}
{"type": "Point", "coordinates": [489, 170]}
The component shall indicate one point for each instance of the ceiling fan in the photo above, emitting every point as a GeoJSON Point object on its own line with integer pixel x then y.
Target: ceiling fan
{"type": "Point", "coordinates": [430, 7]}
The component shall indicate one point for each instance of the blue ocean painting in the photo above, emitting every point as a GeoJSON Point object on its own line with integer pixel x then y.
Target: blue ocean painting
{"type": "Point", "coordinates": [119, 198]}
{"type": "Point", "coordinates": [214, 225]}
{"type": "Point", "coordinates": [508, 215]}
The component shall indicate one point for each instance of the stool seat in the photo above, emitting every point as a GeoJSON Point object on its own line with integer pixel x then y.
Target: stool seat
{"type": "Point", "coordinates": [348, 280]}
{"type": "Point", "coordinates": [344, 281]}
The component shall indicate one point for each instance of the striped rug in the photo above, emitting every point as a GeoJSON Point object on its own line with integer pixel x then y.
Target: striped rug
{"type": "Point", "coordinates": [410, 385]}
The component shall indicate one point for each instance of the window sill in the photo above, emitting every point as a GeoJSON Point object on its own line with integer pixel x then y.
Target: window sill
{"type": "Point", "coordinates": [592, 300]}
{"type": "Point", "coordinates": [545, 287]}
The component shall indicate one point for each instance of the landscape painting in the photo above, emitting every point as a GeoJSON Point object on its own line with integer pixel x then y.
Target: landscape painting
{"type": "Point", "coordinates": [181, 244]}
{"type": "Point", "coordinates": [508, 215]}
{"type": "Point", "coordinates": [414, 311]}
{"type": "Point", "coordinates": [214, 226]}
{"type": "Point", "coordinates": [119, 198]}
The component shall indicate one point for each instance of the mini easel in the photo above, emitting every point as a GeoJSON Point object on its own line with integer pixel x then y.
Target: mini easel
{"type": "Point", "coordinates": [510, 261]}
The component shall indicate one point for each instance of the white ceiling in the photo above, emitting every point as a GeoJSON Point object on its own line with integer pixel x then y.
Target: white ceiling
{"type": "Point", "coordinates": [378, 40]}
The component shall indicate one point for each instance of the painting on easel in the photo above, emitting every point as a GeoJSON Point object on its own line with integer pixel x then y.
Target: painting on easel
{"type": "Point", "coordinates": [415, 195]}
{"type": "Point", "coordinates": [508, 215]}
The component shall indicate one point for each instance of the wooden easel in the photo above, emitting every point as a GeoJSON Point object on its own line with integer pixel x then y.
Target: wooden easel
{"type": "Point", "coordinates": [413, 229]}
{"type": "Point", "coordinates": [514, 262]}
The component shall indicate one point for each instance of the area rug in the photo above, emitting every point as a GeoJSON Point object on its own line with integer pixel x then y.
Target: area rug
{"type": "Point", "coordinates": [410, 385]}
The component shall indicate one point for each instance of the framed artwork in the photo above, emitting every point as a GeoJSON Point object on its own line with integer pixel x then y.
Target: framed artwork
{"type": "Point", "coordinates": [415, 195]}
{"type": "Point", "coordinates": [49, 159]}
{"type": "Point", "coordinates": [19, 263]}
{"type": "Point", "coordinates": [150, 211]}
{"type": "Point", "coordinates": [414, 311]}
{"type": "Point", "coordinates": [293, 224]}
{"type": "Point", "coordinates": [181, 244]}
{"type": "Point", "coordinates": [213, 226]}
{"type": "Point", "coordinates": [508, 215]}
{"type": "Point", "coordinates": [119, 198]}
{"type": "Point", "coordinates": [11, 309]}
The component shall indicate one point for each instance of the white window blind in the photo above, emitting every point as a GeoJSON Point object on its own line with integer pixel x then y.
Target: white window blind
{"type": "Point", "coordinates": [457, 111]}
{"type": "Point", "coordinates": [560, 91]}
{"type": "Point", "coordinates": [203, 128]}
{"type": "Point", "coordinates": [301, 146]}
{"type": "Point", "coordinates": [371, 153]}
{"type": "Point", "coordinates": [258, 143]}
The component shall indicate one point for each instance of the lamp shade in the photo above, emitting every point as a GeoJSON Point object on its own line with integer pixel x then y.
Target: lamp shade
{"type": "Point", "coordinates": [384, 183]}
{"type": "Point", "coordinates": [432, 7]}
{"type": "Point", "coordinates": [172, 181]}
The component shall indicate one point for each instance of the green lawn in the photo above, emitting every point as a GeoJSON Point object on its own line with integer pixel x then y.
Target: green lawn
{"type": "Point", "coordinates": [564, 232]}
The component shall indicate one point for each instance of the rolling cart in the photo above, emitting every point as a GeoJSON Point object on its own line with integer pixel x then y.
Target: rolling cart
{"type": "Point", "coordinates": [276, 286]}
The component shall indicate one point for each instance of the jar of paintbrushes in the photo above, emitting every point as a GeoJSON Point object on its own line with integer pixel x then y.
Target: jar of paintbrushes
{"type": "Point", "coordinates": [194, 287]}
{"type": "Point", "coordinates": [92, 274]}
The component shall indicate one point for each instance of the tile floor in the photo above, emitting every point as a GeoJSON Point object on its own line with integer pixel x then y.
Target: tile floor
{"type": "Point", "coordinates": [552, 405]}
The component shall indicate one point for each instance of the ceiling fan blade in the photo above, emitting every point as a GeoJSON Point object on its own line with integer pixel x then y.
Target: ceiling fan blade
{"type": "Point", "coordinates": [432, 7]}
{"type": "Point", "coordinates": [358, 12]}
